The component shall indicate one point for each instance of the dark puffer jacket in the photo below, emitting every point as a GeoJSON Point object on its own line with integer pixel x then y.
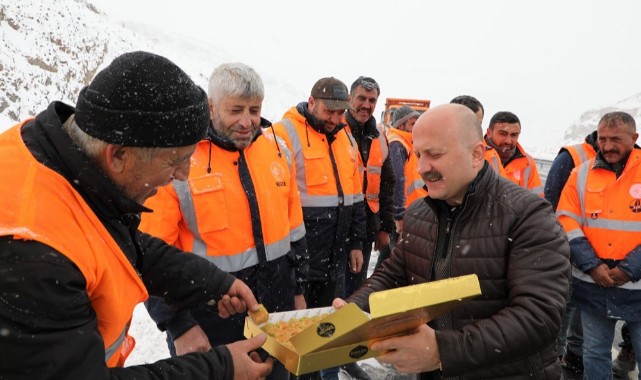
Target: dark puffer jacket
{"type": "Point", "coordinates": [510, 238]}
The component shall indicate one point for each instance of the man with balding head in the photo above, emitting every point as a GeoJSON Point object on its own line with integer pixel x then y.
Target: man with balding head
{"type": "Point", "coordinates": [474, 221]}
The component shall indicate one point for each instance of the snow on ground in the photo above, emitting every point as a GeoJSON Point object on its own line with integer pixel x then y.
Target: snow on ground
{"type": "Point", "coordinates": [150, 342]}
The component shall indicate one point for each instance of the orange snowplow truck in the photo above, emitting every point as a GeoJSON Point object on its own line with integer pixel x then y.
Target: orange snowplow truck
{"type": "Point", "coordinates": [391, 104]}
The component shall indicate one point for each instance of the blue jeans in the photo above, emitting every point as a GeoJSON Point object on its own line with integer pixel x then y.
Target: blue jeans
{"type": "Point", "coordinates": [571, 335]}
{"type": "Point", "coordinates": [598, 336]}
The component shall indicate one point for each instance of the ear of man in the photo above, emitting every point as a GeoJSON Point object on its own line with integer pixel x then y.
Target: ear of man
{"type": "Point", "coordinates": [115, 158]}
{"type": "Point", "coordinates": [212, 109]}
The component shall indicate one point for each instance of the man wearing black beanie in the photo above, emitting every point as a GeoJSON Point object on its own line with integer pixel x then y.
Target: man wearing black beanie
{"type": "Point", "coordinates": [73, 264]}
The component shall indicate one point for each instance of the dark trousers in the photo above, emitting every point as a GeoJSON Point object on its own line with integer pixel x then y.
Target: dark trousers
{"type": "Point", "coordinates": [627, 340]}
{"type": "Point", "coordinates": [320, 293]}
{"type": "Point", "coordinates": [383, 254]}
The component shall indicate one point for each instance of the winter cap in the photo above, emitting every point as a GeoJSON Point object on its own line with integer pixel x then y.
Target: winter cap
{"type": "Point", "coordinates": [143, 100]}
{"type": "Point", "coordinates": [403, 114]}
{"type": "Point", "coordinates": [333, 93]}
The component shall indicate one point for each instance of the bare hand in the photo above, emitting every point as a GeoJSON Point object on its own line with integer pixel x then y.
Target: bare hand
{"type": "Point", "coordinates": [355, 260]}
{"type": "Point", "coordinates": [399, 226]}
{"type": "Point", "coordinates": [382, 240]}
{"type": "Point", "coordinates": [247, 363]}
{"type": "Point", "coordinates": [618, 276]}
{"type": "Point", "coordinates": [299, 302]}
{"type": "Point", "coordinates": [238, 299]}
{"type": "Point", "coordinates": [338, 303]}
{"type": "Point", "coordinates": [601, 276]}
{"type": "Point", "coordinates": [192, 340]}
{"type": "Point", "coordinates": [413, 353]}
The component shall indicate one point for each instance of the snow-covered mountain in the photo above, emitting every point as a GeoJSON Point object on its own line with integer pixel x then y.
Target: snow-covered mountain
{"type": "Point", "coordinates": [51, 49]}
{"type": "Point", "coordinates": [39, 63]}
{"type": "Point", "coordinates": [588, 121]}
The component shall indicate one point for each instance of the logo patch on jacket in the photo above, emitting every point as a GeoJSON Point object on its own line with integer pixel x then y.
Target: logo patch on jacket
{"type": "Point", "coordinates": [635, 192]}
{"type": "Point", "coordinates": [278, 171]}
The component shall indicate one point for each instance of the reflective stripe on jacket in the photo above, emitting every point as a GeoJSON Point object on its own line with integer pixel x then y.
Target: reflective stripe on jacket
{"type": "Point", "coordinates": [523, 172]}
{"type": "Point", "coordinates": [210, 214]}
{"type": "Point", "coordinates": [580, 153]}
{"type": "Point", "coordinates": [327, 173]}
{"type": "Point", "coordinates": [414, 184]}
{"type": "Point", "coordinates": [41, 205]}
{"type": "Point", "coordinates": [378, 153]}
{"type": "Point", "coordinates": [603, 208]}
{"type": "Point", "coordinates": [493, 158]}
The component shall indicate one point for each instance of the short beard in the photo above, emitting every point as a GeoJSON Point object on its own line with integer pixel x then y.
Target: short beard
{"type": "Point", "coordinates": [226, 136]}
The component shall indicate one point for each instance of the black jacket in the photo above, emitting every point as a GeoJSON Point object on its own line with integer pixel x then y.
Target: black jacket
{"type": "Point", "coordinates": [384, 219]}
{"type": "Point", "coordinates": [511, 239]}
{"type": "Point", "coordinates": [50, 327]}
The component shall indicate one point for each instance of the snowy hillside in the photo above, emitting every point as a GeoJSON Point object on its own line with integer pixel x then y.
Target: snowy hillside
{"type": "Point", "coordinates": [40, 64]}
{"type": "Point", "coordinates": [588, 121]}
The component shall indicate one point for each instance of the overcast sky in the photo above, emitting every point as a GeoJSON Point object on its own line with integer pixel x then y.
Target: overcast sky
{"type": "Point", "coordinates": [546, 61]}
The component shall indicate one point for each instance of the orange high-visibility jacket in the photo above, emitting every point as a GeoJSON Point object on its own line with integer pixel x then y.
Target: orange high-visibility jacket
{"type": "Point", "coordinates": [315, 157]}
{"type": "Point", "coordinates": [378, 153]}
{"type": "Point", "coordinates": [493, 158]}
{"type": "Point", "coordinates": [523, 172]}
{"type": "Point", "coordinates": [210, 215]}
{"type": "Point", "coordinates": [603, 208]}
{"type": "Point", "coordinates": [41, 205]}
{"type": "Point", "coordinates": [580, 153]}
{"type": "Point", "coordinates": [414, 184]}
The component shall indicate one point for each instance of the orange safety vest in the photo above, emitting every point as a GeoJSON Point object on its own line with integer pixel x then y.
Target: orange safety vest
{"type": "Point", "coordinates": [209, 214]}
{"type": "Point", "coordinates": [523, 172]}
{"type": "Point", "coordinates": [317, 182]}
{"type": "Point", "coordinates": [378, 153]}
{"type": "Point", "coordinates": [580, 153]}
{"type": "Point", "coordinates": [414, 184]}
{"type": "Point", "coordinates": [603, 208]}
{"type": "Point", "coordinates": [36, 196]}
{"type": "Point", "coordinates": [493, 158]}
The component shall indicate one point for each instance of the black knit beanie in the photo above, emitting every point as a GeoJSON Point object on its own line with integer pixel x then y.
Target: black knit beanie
{"type": "Point", "coordinates": [143, 100]}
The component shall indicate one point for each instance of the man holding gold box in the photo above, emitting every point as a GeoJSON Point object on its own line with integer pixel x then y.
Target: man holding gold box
{"type": "Point", "coordinates": [474, 221]}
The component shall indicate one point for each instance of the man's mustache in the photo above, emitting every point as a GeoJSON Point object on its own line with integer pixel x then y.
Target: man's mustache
{"type": "Point", "coordinates": [432, 176]}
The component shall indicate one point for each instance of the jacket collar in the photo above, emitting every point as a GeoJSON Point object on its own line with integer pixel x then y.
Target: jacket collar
{"type": "Point", "coordinates": [518, 152]}
{"type": "Point", "coordinates": [226, 143]}
{"type": "Point", "coordinates": [316, 124]}
{"type": "Point", "coordinates": [592, 140]}
{"type": "Point", "coordinates": [52, 146]}
{"type": "Point", "coordinates": [405, 135]}
{"type": "Point", "coordinates": [367, 130]}
{"type": "Point", "coordinates": [601, 163]}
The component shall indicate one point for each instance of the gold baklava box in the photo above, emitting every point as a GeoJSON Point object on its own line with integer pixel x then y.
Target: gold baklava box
{"type": "Point", "coordinates": [344, 335]}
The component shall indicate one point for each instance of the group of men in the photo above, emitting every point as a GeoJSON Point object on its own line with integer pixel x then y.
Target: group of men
{"type": "Point", "coordinates": [287, 215]}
